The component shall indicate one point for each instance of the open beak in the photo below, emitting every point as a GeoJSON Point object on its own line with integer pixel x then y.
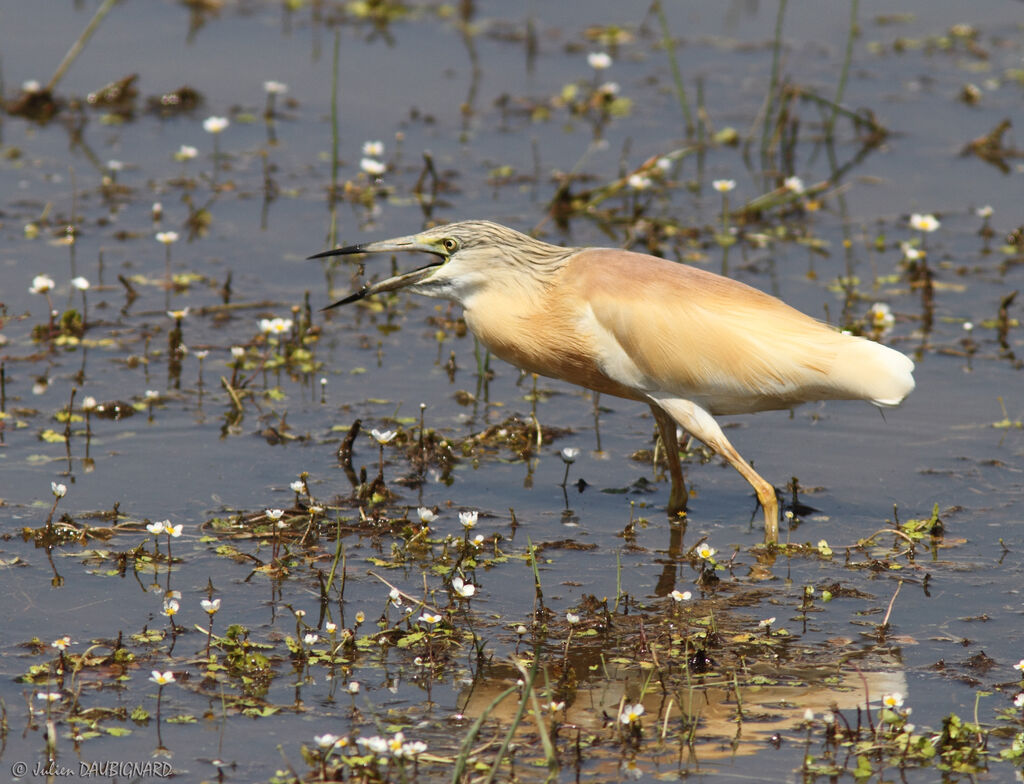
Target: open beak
{"type": "Point", "coordinates": [390, 284]}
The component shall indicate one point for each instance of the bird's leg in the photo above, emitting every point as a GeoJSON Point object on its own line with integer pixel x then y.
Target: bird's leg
{"type": "Point", "coordinates": [678, 496]}
{"type": "Point", "coordinates": [699, 423]}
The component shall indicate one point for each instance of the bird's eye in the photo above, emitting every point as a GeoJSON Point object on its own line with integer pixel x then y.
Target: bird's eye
{"type": "Point", "coordinates": [449, 244]}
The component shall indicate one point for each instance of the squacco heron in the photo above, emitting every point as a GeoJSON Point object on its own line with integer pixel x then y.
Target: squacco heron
{"type": "Point", "coordinates": [689, 343]}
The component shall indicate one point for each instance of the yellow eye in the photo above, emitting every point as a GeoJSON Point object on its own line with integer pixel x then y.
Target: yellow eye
{"type": "Point", "coordinates": [449, 244]}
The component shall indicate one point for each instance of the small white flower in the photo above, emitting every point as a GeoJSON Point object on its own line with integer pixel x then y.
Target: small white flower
{"type": "Point", "coordinates": [310, 638]}
{"type": "Point", "coordinates": [723, 186]}
{"type": "Point", "coordinates": [274, 514]}
{"type": "Point", "coordinates": [1019, 666]}
{"type": "Point", "coordinates": [427, 516]}
{"type": "Point", "coordinates": [412, 749]}
{"type": "Point", "coordinates": [58, 490]}
{"type": "Point", "coordinates": [572, 618]}
{"type": "Point", "coordinates": [171, 607]}
{"type": "Point", "coordinates": [570, 453]}
{"type": "Point", "coordinates": [156, 528]}
{"type": "Point", "coordinates": [430, 618]}
{"type": "Point", "coordinates": [353, 687]}
{"type": "Point", "coordinates": [374, 149]}
{"type": "Point", "coordinates": [215, 124]}
{"type": "Point", "coordinates": [894, 700]}
{"type": "Point", "coordinates": [395, 596]}
{"type": "Point", "coordinates": [1018, 701]}
{"type": "Point", "coordinates": [49, 696]}
{"type": "Point", "coordinates": [631, 713]}
{"type": "Point", "coordinates": [210, 605]}
{"type": "Point", "coordinates": [794, 184]}
{"type": "Point", "coordinates": [275, 88]}
{"type": "Point", "coordinates": [330, 627]}
{"type": "Point", "coordinates": [166, 237]}
{"type": "Point", "coordinates": [89, 403]}
{"type": "Point", "coordinates": [151, 394]}
{"type": "Point", "coordinates": [31, 86]}
{"type": "Point", "coordinates": [462, 588]}
{"type": "Point", "coordinates": [705, 551]}
{"type": "Point", "coordinates": [881, 316]}
{"type": "Point", "coordinates": [172, 530]}
{"type": "Point", "coordinates": [639, 182]}
{"type": "Point", "coordinates": [376, 744]}
{"type": "Point", "coordinates": [61, 643]}
{"type": "Point", "coordinates": [609, 89]}
{"type": "Point", "coordinates": [968, 326]}
{"type": "Point", "coordinates": [766, 622]}
{"type": "Point", "coordinates": [276, 326]}
{"type": "Point", "coordinates": [925, 223]}
{"type": "Point", "coordinates": [162, 678]}
{"type": "Point", "coordinates": [808, 715]}
{"type": "Point", "coordinates": [468, 519]}
{"type": "Point", "coordinates": [177, 315]}
{"type": "Point", "coordinates": [41, 284]}
{"type": "Point", "coordinates": [372, 166]}
{"type": "Point", "coordinates": [202, 353]}
{"type": "Point", "coordinates": [910, 253]}
{"type": "Point", "coordinates": [599, 60]}
{"type": "Point", "coordinates": [237, 352]}
{"type": "Point", "coordinates": [297, 486]}
{"type": "Point", "coordinates": [984, 212]}
{"type": "Point", "coordinates": [186, 153]}
{"type": "Point", "coordinates": [326, 741]}
{"type": "Point", "coordinates": [383, 436]}
{"type": "Point", "coordinates": [80, 283]}
{"type": "Point", "coordinates": [115, 166]}
{"type": "Point", "coordinates": [477, 541]}
{"type": "Point", "coordinates": [681, 596]}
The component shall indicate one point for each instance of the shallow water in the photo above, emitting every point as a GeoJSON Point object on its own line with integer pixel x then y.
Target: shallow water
{"type": "Point", "coordinates": [188, 459]}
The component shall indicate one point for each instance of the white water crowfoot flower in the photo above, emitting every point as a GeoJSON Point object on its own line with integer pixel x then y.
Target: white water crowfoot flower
{"type": "Point", "coordinates": [639, 182]}
{"type": "Point", "coordinates": [723, 186]}
{"type": "Point", "coordinates": [372, 166]}
{"type": "Point", "coordinates": [463, 589]}
{"type": "Point", "coordinates": [599, 61]}
{"type": "Point", "coordinates": [41, 284]}
{"type": "Point", "coordinates": [58, 490]}
{"type": "Point", "coordinates": [166, 237]}
{"type": "Point", "coordinates": [468, 519]}
{"type": "Point", "coordinates": [706, 552]}
{"type": "Point", "coordinates": [926, 223]}
{"type": "Point", "coordinates": [215, 124]}
{"type": "Point", "coordinates": [210, 606]}
{"type": "Point", "coordinates": [373, 149]}
{"type": "Point", "coordinates": [326, 741]}
{"type": "Point", "coordinates": [383, 436]}
{"type": "Point", "coordinates": [426, 515]}
{"type": "Point", "coordinates": [162, 678]}
{"type": "Point", "coordinates": [572, 618]}
{"type": "Point", "coordinates": [681, 596]}
{"type": "Point", "coordinates": [276, 326]}
{"type": "Point", "coordinates": [631, 713]}
{"type": "Point", "coordinates": [794, 184]}
{"type": "Point", "coordinates": [894, 700]}
{"type": "Point", "coordinates": [1019, 667]}
{"type": "Point", "coordinates": [568, 456]}
{"type": "Point", "coordinates": [881, 317]}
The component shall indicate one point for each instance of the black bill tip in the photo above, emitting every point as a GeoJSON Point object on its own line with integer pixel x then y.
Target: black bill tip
{"type": "Point", "coordinates": [355, 296]}
{"type": "Point", "coordinates": [348, 250]}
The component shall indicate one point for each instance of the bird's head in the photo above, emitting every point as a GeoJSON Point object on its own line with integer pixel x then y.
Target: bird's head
{"type": "Point", "coordinates": [467, 254]}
